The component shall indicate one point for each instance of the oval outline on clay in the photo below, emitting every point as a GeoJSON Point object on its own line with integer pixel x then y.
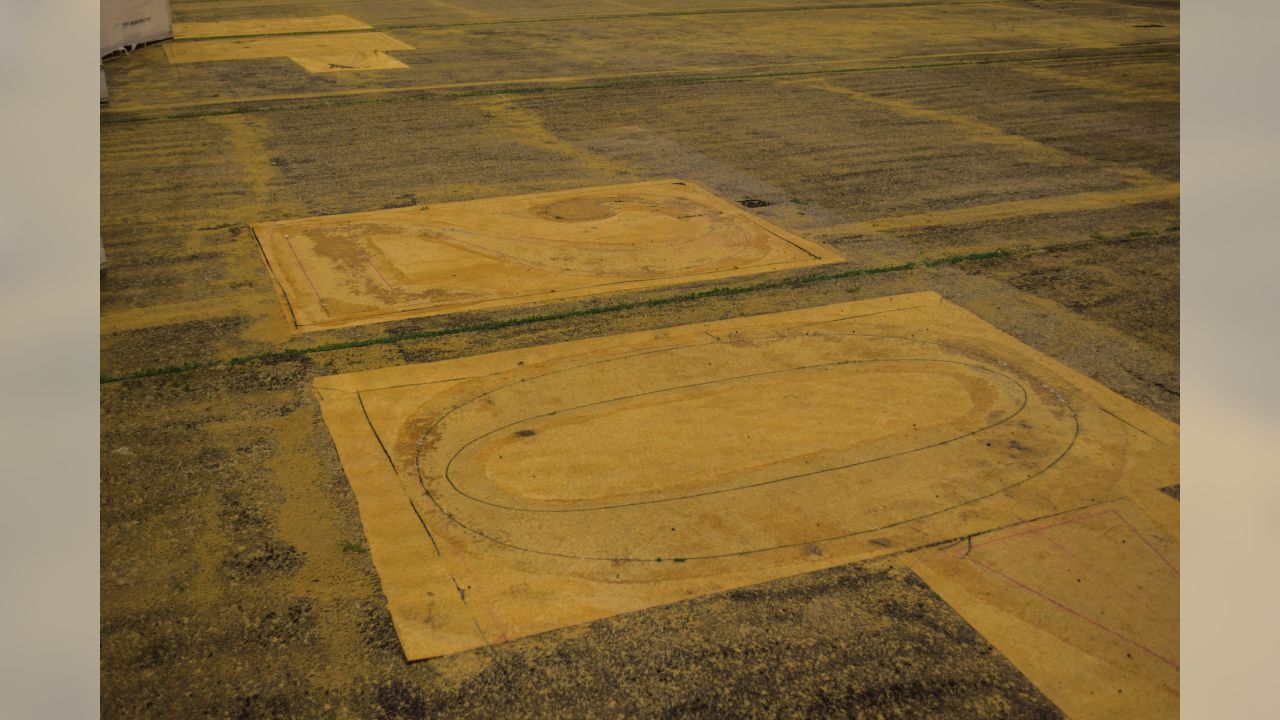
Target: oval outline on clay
{"type": "Point", "coordinates": [421, 481]}
{"type": "Point", "coordinates": [688, 496]}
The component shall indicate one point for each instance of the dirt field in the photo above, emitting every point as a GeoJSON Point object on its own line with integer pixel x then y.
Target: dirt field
{"type": "Point", "coordinates": [1019, 158]}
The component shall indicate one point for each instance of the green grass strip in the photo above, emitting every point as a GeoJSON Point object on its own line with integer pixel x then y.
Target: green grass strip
{"type": "Point", "coordinates": [275, 355]}
{"type": "Point", "coordinates": [153, 372]}
{"type": "Point", "coordinates": [792, 282]}
{"type": "Point", "coordinates": [953, 259]}
{"type": "Point", "coordinates": [799, 281]}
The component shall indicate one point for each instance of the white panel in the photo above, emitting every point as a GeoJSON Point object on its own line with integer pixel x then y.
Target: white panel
{"type": "Point", "coordinates": [126, 23]}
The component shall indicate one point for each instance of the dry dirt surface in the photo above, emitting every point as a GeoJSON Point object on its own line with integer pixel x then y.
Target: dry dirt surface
{"type": "Point", "coordinates": [1019, 158]}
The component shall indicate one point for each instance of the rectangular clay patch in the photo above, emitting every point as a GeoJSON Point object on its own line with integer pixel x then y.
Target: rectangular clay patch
{"type": "Point", "coordinates": [325, 53]}
{"type": "Point", "coordinates": [341, 270]}
{"type": "Point", "coordinates": [522, 491]}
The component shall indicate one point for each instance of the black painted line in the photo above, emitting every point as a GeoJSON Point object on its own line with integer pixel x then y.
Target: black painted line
{"type": "Point", "coordinates": [425, 529]}
{"type": "Point", "coordinates": [376, 436]}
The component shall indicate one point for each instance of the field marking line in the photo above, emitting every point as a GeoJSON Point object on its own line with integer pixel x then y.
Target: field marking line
{"type": "Point", "coordinates": [979, 131]}
{"type": "Point", "coordinates": [478, 19]}
{"type": "Point", "coordinates": [1114, 90]}
{"type": "Point", "coordinates": [1099, 200]}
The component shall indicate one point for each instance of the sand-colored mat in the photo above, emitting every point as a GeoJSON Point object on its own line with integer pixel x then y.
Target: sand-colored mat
{"type": "Point", "coordinates": [340, 270]}
{"type": "Point", "coordinates": [518, 492]}
{"type": "Point", "coordinates": [338, 52]}
{"type": "Point", "coordinates": [1086, 603]}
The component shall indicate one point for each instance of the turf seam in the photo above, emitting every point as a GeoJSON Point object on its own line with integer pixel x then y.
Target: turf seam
{"type": "Point", "coordinates": [613, 16]}
{"type": "Point", "coordinates": [391, 95]}
{"type": "Point", "coordinates": [792, 282]}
